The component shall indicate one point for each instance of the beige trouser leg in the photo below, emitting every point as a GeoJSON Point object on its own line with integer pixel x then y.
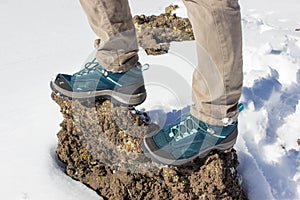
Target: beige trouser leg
{"type": "Point", "coordinates": [217, 81]}
{"type": "Point", "coordinates": [111, 20]}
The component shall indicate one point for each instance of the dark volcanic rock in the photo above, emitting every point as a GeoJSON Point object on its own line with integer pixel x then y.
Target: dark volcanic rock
{"type": "Point", "coordinates": [100, 145]}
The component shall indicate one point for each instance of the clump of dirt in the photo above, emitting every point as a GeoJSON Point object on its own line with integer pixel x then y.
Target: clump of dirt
{"type": "Point", "coordinates": [100, 144]}
{"type": "Point", "coordinates": [155, 33]}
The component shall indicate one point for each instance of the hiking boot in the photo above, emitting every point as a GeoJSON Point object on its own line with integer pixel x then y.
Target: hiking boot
{"type": "Point", "coordinates": [93, 82]}
{"type": "Point", "coordinates": [188, 139]}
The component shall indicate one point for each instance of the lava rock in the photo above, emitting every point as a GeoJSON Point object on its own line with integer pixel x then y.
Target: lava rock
{"type": "Point", "coordinates": [154, 33]}
{"type": "Point", "coordinates": [100, 144]}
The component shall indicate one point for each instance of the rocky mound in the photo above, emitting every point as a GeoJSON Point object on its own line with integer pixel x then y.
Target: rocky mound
{"type": "Point", "coordinates": [100, 146]}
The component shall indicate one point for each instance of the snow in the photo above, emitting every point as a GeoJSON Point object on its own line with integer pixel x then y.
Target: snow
{"type": "Point", "coordinates": [41, 38]}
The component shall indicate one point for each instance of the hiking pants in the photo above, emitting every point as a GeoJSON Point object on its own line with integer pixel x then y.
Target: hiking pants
{"type": "Point", "coordinates": [218, 77]}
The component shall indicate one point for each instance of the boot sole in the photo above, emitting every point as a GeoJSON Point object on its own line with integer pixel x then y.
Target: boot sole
{"type": "Point", "coordinates": [132, 100]}
{"type": "Point", "coordinates": [226, 144]}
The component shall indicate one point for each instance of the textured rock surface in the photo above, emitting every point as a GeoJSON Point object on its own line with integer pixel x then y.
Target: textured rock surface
{"type": "Point", "coordinates": [100, 146]}
{"type": "Point", "coordinates": [155, 33]}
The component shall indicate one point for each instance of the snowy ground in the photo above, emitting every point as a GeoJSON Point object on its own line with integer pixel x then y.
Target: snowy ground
{"type": "Point", "coordinates": [41, 38]}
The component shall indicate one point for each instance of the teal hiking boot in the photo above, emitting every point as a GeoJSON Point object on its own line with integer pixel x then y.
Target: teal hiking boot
{"type": "Point", "coordinates": [188, 139]}
{"type": "Point", "coordinates": [95, 82]}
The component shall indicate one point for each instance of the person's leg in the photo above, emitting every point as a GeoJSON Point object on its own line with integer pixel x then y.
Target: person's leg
{"type": "Point", "coordinates": [115, 73]}
{"type": "Point", "coordinates": [112, 21]}
{"type": "Point", "coordinates": [217, 82]}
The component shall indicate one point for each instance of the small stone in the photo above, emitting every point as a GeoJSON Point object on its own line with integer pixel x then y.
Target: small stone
{"type": "Point", "coordinates": [154, 32]}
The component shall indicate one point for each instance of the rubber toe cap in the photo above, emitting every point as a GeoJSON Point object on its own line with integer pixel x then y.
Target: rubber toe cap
{"type": "Point", "coordinates": [63, 81]}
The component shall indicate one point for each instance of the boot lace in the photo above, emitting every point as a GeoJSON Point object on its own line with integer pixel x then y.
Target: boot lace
{"type": "Point", "coordinates": [190, 125]}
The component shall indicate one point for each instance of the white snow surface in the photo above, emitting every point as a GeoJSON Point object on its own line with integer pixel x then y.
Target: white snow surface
{"type": "Point", "coordinates": [41, 38]}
